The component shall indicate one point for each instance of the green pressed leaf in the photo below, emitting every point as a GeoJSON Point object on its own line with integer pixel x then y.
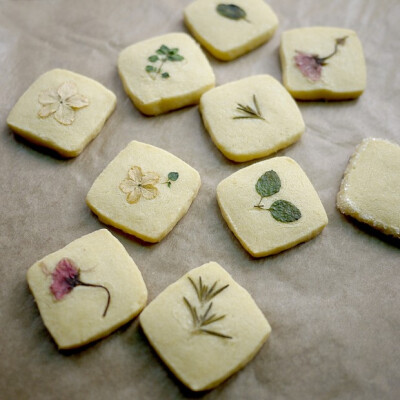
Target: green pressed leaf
{"type": "Point", "coordinates": [165, 75]}
{"type": "Point", "coordinates": [175, 57]}
{"type": "Point", "coordinates": [285, 211]}
{"type": "Point", "coordinates": [150, 68]}
{"type": "Point", "coordinates": [153, 58]}
{"type": "Point", "coordinates": [231, 11]}
{"type": "Point", "coordinates": [163, 50]}
{"type": "Point", "coordinates": [268, 184]}
{"type": "Point", "coordinates": [173, 176]}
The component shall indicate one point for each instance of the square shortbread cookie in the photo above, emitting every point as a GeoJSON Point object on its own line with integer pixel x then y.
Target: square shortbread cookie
{"type": "Point", "coordinates": [323, 63]}
{"type": "Point", "coordinates": [370, 189]}
{"type": "Point", "coordinates": [251, 118]}
{"type": "Point", "coordinates": [205, 327]}
{"type": "Point", "coordinates": [62, 110]}
{"type": "Point", "coordinates": [165, 73]}
{"type": "Point", "coordinates": [144, 191]}
{"type": "Point", "coordinates": [271, 206]}
{"type": "Point", "coordinates": [228, 30]}
{"type": "Point", "coordinates": [87, 289]}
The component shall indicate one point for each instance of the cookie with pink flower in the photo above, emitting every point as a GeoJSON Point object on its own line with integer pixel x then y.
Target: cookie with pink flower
{"type": "Point", "coordinates": [322, 63]}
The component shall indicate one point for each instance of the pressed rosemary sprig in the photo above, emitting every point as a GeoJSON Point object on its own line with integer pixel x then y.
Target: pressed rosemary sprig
{"type": "Point", "coordinates": [249, 112]}
{"type": "Point", "coordinates": [202, 319]}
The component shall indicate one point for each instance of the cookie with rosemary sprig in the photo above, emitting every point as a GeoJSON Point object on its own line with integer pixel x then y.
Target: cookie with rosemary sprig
{"type": "Point", "coordinates": [323, 63]}
{"type": "Point", "coordinates": [205, 327]}
{"type": "Point", "coordinates": [251, 118]}
{"type": "Point", "coordinates": [87, 289]}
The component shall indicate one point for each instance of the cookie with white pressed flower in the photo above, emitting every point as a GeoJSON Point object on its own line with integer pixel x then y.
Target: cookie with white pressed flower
{"type": "Point", "coordinates": [251, 118]}
{"type": "Point", "coordinates": [87, 289]}
{"type": "Point", "coordinates": [323, 63]}
{"type": "Point", "coordinates": [165, 73]}
{"type": "Point", "coordinates": [62, 110]}
{"type": "Point", "coordinates": [205, 327]}
{"type": "Point", "coordinates": [230, 29]}
{"type": "Point", "coordinates": [370, 189]}
{"type": "Point", "coordinates": [271, 206]}
{"type": "Point", "coordinates": [144, 191]}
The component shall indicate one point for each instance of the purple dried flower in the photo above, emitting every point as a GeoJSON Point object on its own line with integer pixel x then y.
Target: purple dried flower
{"type": "Point", "coordinates": [66, 277]}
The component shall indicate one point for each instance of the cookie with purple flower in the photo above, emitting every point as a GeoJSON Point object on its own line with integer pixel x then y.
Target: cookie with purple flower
{"type": "Point", "coordinates": [87, 289]}
{"type": "Point", "coordinates": [322, 63]}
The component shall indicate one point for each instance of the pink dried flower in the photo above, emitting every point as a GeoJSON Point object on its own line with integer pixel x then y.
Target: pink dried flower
{"type": "Point", "coordinates": [66, 277]}
{"type": "Point", "coordinates": [309, 65]}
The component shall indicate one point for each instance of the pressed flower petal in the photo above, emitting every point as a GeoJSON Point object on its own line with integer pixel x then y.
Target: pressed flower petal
{"type": "Point", "coordinates": [65, 277]}
{"type": "Point", "coordinates": [127, 185]}
{"type": "Point", "coordinates": [134, 196]}
{"type": "Point", "coordinates": [308, 65]}
{"type": "Point", "coordinates": [67, 89]}
{"type": "Point", "coordinates": [135, 173]}
{"type": "Point", "coordinates": [48, 109]}
{"type": "Point", "coordinates": [77, 101]}
{"type": "Point", "coordinates": [149, 192]}
{"type": "Point", "coordinates": [150, 178]}
{"type": "Point", "coordinates": [48, 96]}
{"type": "Point", "coordinates": [65, 114]}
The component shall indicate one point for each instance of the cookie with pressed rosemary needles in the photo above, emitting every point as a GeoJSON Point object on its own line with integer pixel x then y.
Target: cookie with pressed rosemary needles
{"type": "Point", "coordinates": [87, 289]}
{"type": "Point", "coordinates": [251, 118]}
{"type": "Point", "coordinates": [205, 327]}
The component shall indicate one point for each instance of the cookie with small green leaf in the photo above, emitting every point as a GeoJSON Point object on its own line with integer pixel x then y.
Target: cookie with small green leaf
{"type": "Point", "coordinates": [230, 29]}
{"type": "Point", "coordinates": [271, 206]}
{"type": "Point", "coordinates": [211, 327]}
{"type": "Point", "coordinates": [251, 118]}
{"type": "Point", "coordinates": [165, 73]}
{"type": "Point", "coordinates": [144, 191]}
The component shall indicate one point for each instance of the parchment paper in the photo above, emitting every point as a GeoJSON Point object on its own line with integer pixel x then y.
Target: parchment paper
{"type": "Point", "coordinates": [333, 302]}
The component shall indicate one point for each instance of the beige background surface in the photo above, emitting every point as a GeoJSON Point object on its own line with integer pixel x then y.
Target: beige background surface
{"type": "Point", "coordinates": [333, 303]}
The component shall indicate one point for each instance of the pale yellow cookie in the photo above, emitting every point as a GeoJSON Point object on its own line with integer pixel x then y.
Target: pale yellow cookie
{"type": "Point", "coordinates": [62, 110]}
{"type": "Point", "coordinates": [271, 206]}
{"type": "Point", "coordinates": [87, 289]}
{"type": "Point", "coordinates": [165, 73]}
{"type": "Point", "coordinates": [323, 63]}
{"type": "Point", "coordinates": [144, 191]}
{"type": "Point", "coordinates": [251, 118]}
{"type": "Point", "coordinates": [370, 189]}
{"type": "Point", "coordinates": [228, 30]}
{"type": "Point", "coordinates": [205, 327]}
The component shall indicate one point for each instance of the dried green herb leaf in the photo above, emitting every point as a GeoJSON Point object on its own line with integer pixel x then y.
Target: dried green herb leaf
{"type": "Point", "coordinates": [153, 58]}
{"type": "Point", "coordinates": [175, 57]}
{"type": "Point", "coordinates": [268, 184]}
{"type": "Point", "coordinates": [150, 68]}
{"type": "Point", "coordinates": [285, 211]}
{"type": "Point", "coordinates": [165, 75]}
{"type": "Point", "coordinates": [249, 112]}
{"type": "Point", "coordinates": [163, 50]}
{"type": "Point", "coordinates": [173, 176]}
{"type": "Point", "coordinates": [231, 11]}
